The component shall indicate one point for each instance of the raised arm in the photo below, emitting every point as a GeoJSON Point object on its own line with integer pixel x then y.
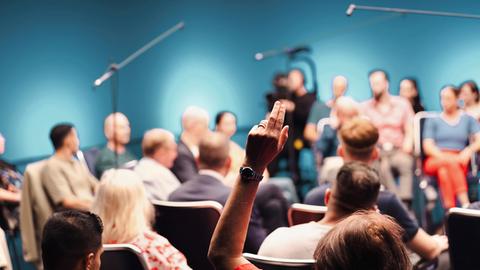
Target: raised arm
{"type": "Point", "coordinates": [264, 142]}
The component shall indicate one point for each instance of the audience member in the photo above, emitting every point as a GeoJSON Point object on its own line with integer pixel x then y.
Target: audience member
{"type": "Point", "coordinates": [226, 123]}
{"type": "Point", "coordinates": [159, 152]}
{"type": "Point", "coordinates": [358, 138]}
{"type": "Point", "coordinates": [10, 184]}
{"type": "Point", "coordinates": [326, 146]}
{"type": "Point", "coordinates": [470, 96]}
{"type": "Point", "coordinates": [67, 183]}
{"type": "Point", "coordinates": [195, 127]}
{"type": "Point", "coordinates": [393, 116]}
{"type": "Point", "coordinates": [339, 87]}
{"type": "Point", "coordinates": [409, 90]}
{"type": "Point", "coordinates": [446, 144]}
{"type": "Point", "coordinates": [356, 188]}
{"type": "Point", "coordinates": [214, 163]}
{"type": "Point", "coordinates": [72, 240]}
{"type": "Point", "coordinates": [264, 142]}
{"type": "Point", "coordinates": [364, 240]}
{"type": "Point", "coordinates": [115, 153]}
{"type": "Point", "coordinates": [127, 215]}
{"type": "Point", "coordinates": [299, 106]}
{"type": "Point", "coordinates": [321, 110]}
{"type": "Point", "coordinates": [10, 178]}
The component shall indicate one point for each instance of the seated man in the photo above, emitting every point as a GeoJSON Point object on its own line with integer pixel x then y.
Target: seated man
{"type": "Point", "coordinates": [195, 127]}
{"type": "Point", "coordinates": [393, 116]}
{"type": "Point", "coordinates": [67, 183]}
{"type": "Point", "coordinates": [358, 138]}
{"type": "Point", "coordinates": [326, 146]}
{"type": "Point", "coordinates": [214, 162]}
{"type": "Point", "coordinates": [356, 188]}
{"type": "Point", "coordinates": [115, 153]}
{"type": "Point", "coordinates": [159, 151]}
{"type": "Point", "coordinates": [72, 240]}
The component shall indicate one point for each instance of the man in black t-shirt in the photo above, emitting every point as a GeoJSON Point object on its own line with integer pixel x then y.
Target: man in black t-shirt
{"type": "Point", "coordinates": [299, 106]}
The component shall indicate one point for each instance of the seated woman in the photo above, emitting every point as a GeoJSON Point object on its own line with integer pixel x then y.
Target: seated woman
{"type": "Point", "coordinates": [122, 204]}
{"type": "Point", "coordinates": [409, 90]}
{"type": "Point", "coordinates": [470, 96]}
{"type": "Point", "coordinates": [381, 247]}
{"type": "Point", "coordinates": [226, 123]}
{"type": "Point", "coordinates": [446, 144]}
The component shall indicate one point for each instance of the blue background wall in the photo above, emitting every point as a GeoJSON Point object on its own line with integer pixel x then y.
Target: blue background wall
{"type": "Point", "coordinates": [51, 51]}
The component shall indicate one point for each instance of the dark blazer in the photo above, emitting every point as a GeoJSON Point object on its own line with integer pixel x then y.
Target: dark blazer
{"type": "Point", "coordinates": [206, 187]}
{"type": "Point", "coordinates": [184, 166]}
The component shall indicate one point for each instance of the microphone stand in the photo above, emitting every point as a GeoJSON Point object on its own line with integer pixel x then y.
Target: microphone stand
{"type": "Point", "coordinates": [113, 73]}
{"type": "Point", "coordinates": [352, 7]}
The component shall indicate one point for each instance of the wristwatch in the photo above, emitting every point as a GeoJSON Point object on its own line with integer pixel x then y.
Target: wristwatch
{"type": "Point", "coordinates": [249, 174]}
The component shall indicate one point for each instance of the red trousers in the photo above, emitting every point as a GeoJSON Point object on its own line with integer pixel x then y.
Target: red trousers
{"type": "Point", "coordinates": [451, 176]}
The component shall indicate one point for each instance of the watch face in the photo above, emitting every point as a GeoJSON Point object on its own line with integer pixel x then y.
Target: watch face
{"type": "Point", "coordinates": [247, 172]}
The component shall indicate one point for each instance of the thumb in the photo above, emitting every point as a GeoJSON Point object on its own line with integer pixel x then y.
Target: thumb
{"type": "Point", "coordinates": [283, 137]}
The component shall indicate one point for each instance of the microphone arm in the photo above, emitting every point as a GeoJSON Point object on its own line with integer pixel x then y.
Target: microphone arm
{"type": "Point", "coordinates": [290, 51]}
{"type": "Point", "coordinates": [352, 7]}
{"type": "Point", "coordinates": [113, 68]}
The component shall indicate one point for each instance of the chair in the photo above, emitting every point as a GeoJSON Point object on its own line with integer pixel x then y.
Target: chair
{"type": "Point", "coordinates": [463, 235]}
{"type": "Point", "coordinates": [189, 227]}
{"type": "Point", "coordinates": [35, 209]}
{"type": "Point", "coordinates": [302, 213]}
{"type": "Point", "coordinates": [88, 158]}
{"type": "Point", "coordinates": [268, 263]}
{"type": "Point", "coordinates": [122, 257]}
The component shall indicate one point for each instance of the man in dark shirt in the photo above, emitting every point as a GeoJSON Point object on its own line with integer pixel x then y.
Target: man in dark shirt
{"type": "Point", "coordinates": [299, 106]}
{"type": "Point", "coordinates": [214, 162]}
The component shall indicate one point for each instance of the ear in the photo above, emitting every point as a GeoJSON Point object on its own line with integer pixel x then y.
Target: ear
{"type": "Point", "coordinates": [375, 154]}
{"type": "Point", "coordinates": [228, 163]}
{"type": "Point", "coordinates": [90, 261]}
{"type": "Point", "coordinates": [340, 151]}
{"type": "Point", "coordinates": [328, 193]}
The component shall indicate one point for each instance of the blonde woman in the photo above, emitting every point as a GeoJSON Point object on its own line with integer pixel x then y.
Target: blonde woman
{"type": "Point", "coordinates": [122, 204]}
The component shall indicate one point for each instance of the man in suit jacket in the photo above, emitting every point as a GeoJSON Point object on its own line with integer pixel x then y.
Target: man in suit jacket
{"type": "Point", "coordinates": [214, 163]}
{"type": "Point", "coordinates": [195, 127]}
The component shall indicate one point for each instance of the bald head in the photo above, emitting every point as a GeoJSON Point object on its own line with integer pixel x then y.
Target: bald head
{"type": "Point", "coordinates": [339, 86]}
{"type": "Point", "coordinates": [159, 144]}
{"type": "Point", "coordinates": [214, 152]}
{"type": "Point", "coordinates": [346, 109]}
{"type": "Point", "coordinates": [119, 123]}
{"type": "Point", "coordinates": [195, 122]}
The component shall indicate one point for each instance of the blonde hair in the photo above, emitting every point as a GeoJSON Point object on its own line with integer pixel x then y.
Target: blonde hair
{"type": "Point", "coordinates": [122, 204]}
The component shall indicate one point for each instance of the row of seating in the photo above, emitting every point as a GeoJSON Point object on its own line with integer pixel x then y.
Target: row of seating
{"type": "Point", "coordinates": [194, 239]}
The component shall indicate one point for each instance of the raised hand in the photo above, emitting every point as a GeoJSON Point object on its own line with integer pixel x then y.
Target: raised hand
{"type": "Point", "coordinates": [266, 139]}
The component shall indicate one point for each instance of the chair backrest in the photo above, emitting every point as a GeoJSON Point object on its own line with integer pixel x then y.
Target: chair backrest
{"type": "Point", "coordinates": [268, 263]}
{"type": "Point", "coordinates": [300, 213]}
{"type": "Point", "coordinates": [189, 227]}
{"type": "Point", "coordinates": [35, 209]}
{"type": "Point", "coordinates": [88, 158]}
{"type": "Point", "coordinates": [418, 123]}
{"type": "Point", "coordinates": [321, 125]}
{"type": "Point", "coordinates": [463, 237]}
{"type": "Point", "coordinates": [122, 257]}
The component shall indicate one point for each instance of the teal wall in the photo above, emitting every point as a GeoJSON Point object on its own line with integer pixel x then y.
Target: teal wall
{"type": "Point", "coordinates": [51, 51]}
